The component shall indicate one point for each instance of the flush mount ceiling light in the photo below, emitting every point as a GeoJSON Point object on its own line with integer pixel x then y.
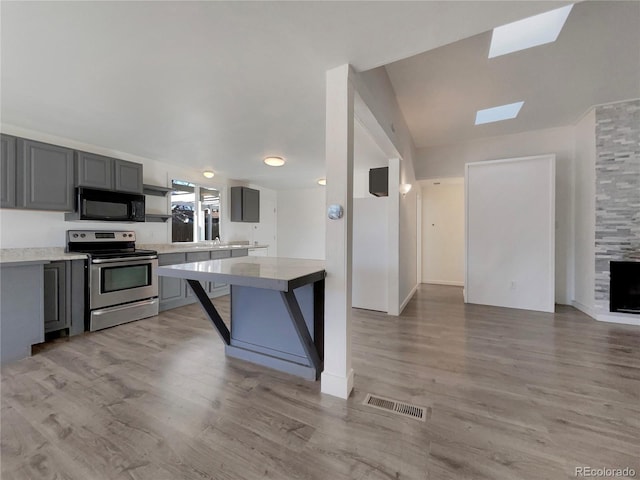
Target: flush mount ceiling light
{"type": "Point", "coordinates": [274, 161]}
{"type": "Point", "coordinates": [528, 32]}
{"type": "Point", "coordinates": [496, 114]}
{"type": "Point", "coordinates": [322, 181]}
{"type": "Point", "coordinates": [208, 174]}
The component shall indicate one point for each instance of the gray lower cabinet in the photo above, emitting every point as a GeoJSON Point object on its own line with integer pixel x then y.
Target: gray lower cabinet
{"type": "Point", "coordinates": [171, 291]}
{"type": "Point", "coordinates": [216, 287]}
{"type": "Point", "coordinates": [197, 257]}
{"type": "Point", "coordinates": [57, 297]}
{"type": "Point", "coordinates": [44, 176]}
{"type": "Point", "coordinates": [39, 297]}
{"type": "Point", "coordinates": [21, 318]}
{"type": "Point", "coordinates": [175, 292]}
{"type": "Point", "coordinates": [8, 172]}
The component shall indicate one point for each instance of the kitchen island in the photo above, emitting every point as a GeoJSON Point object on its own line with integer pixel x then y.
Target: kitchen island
{"type": "Point", "coordinates": [277, 309]}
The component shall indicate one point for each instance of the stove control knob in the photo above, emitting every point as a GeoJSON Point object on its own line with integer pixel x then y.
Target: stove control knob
{"type": "Point", "coordinates": [82, 235]}
{"type": "Point", "coordinates": [131, 234]}
{"type": "Point", "coordinates": [75, 235]}
{"type": "Point", "coordinates": [124, 234]}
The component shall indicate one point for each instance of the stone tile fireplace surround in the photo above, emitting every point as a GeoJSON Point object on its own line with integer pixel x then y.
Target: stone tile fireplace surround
{"type": "Point", "coordinates": [617, 192]}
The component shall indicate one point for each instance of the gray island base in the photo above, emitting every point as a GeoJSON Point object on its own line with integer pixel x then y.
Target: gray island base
{"type": "Point", "coordinates": [277, 309]}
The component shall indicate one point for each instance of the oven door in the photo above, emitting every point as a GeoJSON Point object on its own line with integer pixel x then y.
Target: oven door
{"type": "Point", "coordinates": [117, 281]}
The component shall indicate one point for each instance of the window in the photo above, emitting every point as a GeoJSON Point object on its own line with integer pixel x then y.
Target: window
{"type": "Point", "coordinates": [209, 213]}
{"type": "Point", "coordinates": [195, 212]}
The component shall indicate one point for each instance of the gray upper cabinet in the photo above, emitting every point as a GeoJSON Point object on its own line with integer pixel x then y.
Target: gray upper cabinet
{"type": "Point", "coordinates": [45, 175]}
{"type": "Point", "coordinates": [8, 172]}
{"type": "Point", "coordinates": [94, 171]}
{"type": "Point", "coordinates": [97, 171]}
{"type": "Point", "coordinates": [245, 204]}
{"type": "Point", "coordinates": [128, 176]}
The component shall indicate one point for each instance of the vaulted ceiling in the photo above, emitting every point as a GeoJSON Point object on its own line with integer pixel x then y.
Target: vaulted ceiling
{"type": "Point", "coordinates": [222, 84]}
{"type": "Point", "coordinates": [595, 60]}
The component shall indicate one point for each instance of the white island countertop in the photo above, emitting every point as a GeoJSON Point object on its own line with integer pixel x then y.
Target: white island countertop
{"type": "Point", "coordinates": [272, 273]}
{"type": "Point", "coordinates": [195, 247]}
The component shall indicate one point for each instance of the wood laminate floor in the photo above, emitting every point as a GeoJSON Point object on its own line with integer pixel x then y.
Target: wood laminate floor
{"type": "Point", "coordinates": [510, 394]}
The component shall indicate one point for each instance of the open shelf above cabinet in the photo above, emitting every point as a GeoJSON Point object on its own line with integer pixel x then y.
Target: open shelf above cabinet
{"type": "Point", "coordinates": [156, 190]}
{"type": "Point", "coordinates": [156, 217]}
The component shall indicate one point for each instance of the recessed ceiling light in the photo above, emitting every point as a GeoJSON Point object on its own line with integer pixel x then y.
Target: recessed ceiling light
{"type": "Point", "coordinates": [208, 174]}
{"type": "Point", "coordinates": [528, 32]}
{"type": "Point", "coordinates": [322, 181]}
{"type": "Point", "coordinates": [274, 161]}
{"type": "Point", "coordinates": [496, 114]}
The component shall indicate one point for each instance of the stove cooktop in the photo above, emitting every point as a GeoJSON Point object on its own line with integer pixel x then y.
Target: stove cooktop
{"type": "Point", "coordinates": [105, 244]}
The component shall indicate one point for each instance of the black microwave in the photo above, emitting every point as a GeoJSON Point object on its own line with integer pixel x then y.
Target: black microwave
{"type": "Point", "coordinates": [94, 204]}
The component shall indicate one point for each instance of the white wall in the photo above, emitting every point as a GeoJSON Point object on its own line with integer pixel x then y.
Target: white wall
{"type": "Point", "coordinates": [26, 228]}
{"type": "Point", "coordinates": [510, 210]}
{"type": "Point", "coordinates": [370, 253]}
{"type": "Point", "coordinates": [585, 212]}
{"type": "Point", "coordinates": [449, 161]}
{"type": "Point", "coordinates": [301, 223]}
{"type": "Point", "coordinates": [366, 155]}
{"type": "Point", "coordinates": [408, 246]}
{"type": "Point", "coordinates": [375, 89]}
{"type": "Point", "coordinates": [443, 232]}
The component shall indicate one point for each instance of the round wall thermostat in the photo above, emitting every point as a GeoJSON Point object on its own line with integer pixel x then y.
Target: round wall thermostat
{"type": "Point", "coordinates": [335, 212]}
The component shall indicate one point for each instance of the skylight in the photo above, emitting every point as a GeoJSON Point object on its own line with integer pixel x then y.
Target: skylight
{"type": "Point", "coordinates": [496, 114]}
{"type": "Point", "coordinates": [528, 32]}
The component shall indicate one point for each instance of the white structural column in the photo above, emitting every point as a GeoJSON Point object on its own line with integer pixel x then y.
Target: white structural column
{"type": "Point", "coordinates": [337, 377]}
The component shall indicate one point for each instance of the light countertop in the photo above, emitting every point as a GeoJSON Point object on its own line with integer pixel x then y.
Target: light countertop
{"type": "Point", "coordinates": [273, 273]}
{"type": "Point", "coordinates": [52, 254]}
{"type": "Point", "coordinates": [42, 254]}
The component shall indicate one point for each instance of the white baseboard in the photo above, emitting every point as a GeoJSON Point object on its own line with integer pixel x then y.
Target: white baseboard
{"type": "Point", "coordinates": [585, 309]}
{"type": "Point", "coordinates": [609, 317]}
{"type": "Point", "coordinates": [409, 297]}
{"type": "Point", "coordinates": [335, 385]}
{"type": "Point", "coordinates": [622, 318]}
{"type": "Point", "coordinates": [444, 282]}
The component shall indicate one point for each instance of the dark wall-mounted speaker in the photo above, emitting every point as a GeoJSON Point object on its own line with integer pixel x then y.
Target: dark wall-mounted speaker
{"type": "Point", "coordinates": [379, 181]}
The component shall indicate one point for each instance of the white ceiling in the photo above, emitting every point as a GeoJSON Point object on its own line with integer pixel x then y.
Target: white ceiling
{"type": "Point", "coordinates": [211, 84]}
{"type": "Point", "coordinates": [595, 60]}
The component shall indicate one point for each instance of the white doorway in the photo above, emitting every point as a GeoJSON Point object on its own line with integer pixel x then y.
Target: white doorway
{"type": "Point", "coordinates": [442, 244]}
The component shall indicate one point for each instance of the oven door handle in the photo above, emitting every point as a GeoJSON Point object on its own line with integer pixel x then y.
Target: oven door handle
{"type": "Point", "coordinates": [124, 259]}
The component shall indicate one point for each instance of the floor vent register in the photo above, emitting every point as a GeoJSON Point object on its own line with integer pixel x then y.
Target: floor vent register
{"type": "Point", "coordinates": [394, 406]}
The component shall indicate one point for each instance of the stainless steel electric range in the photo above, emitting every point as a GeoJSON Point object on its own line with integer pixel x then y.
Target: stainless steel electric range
{"type": "Point", "coordinates": [122, 284]}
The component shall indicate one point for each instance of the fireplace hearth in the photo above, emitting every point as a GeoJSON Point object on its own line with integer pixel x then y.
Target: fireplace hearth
{"type": "Point", "coordinates": [624, 296]}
